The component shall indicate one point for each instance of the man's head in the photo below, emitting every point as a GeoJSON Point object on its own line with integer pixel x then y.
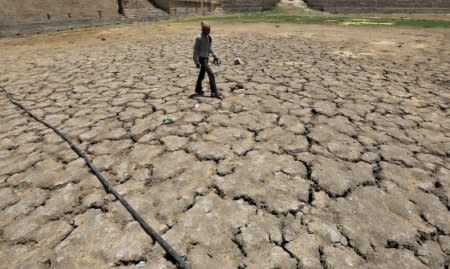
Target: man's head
{"type": "Point", "coordinates": [206, 29]}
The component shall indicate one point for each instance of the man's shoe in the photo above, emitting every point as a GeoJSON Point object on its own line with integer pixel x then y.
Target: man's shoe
{"type": "Point", "coordinates": [196, 94]}
{"type": "Point", "coordinates": [216, 95]}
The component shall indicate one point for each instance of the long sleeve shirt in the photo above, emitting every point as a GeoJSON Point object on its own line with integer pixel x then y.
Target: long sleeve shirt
{"type": "Point", "coordinates": [202, 48]}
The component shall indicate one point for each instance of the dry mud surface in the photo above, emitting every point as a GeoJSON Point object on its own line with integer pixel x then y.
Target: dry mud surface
{"type": "Point", "coordinates": [330, 148]}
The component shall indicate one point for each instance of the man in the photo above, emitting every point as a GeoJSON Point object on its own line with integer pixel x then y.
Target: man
{"type": "Point", "coordinates": [202, 49]}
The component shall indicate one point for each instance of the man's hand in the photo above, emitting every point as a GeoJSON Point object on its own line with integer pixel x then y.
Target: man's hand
{"type": "Point", "coordinates": [216, 60]}
{"type": "Point", "coordinates": [197, 65]}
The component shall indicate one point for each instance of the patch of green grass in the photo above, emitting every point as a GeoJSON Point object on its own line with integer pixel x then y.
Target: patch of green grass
{"type": "Point", "coordinates": [283, 15]}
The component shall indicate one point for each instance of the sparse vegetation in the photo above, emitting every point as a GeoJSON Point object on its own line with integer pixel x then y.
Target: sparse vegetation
{"type": "Point", "coordinates": [304, 15]}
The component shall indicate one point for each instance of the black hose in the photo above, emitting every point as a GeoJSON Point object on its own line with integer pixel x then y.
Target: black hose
{"type": "Point", "coordinates": [181, 263]}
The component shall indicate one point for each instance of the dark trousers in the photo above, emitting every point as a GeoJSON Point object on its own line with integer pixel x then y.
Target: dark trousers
{"type": "Point", "coordinates": [204, 68]}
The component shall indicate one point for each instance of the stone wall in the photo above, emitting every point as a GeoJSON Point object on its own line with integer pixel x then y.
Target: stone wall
{"type": "Point", "coordinates": [269, 4]}
{"type": "Point", "coordinates": [163, 4]}
{"type": "Point", "coordinates": [13, 12]}
{"type": "Point", "coordinates": [388, 6]}
{"type": "Point", "coordinates": [142, 9]}
{"type": "Point", "coordinates": [188, 7]}
{"type": "Point", "coordinates": [182, 7]}
{"type": "Point", "coordinates": [242, 5]}
{"type": "Point", "coordinates": [248, 5]}
{"type": "Point", "coordinates": [29, 16]}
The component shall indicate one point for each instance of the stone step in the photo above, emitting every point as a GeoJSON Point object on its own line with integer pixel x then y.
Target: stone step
{"type": "Point", "coordinates": [142, 9]}
{"type": "Point", "coordinates": [144, 13]}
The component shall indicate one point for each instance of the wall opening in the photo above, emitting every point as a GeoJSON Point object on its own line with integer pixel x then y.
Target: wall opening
{"type": "Point", "coordinates": [120, 5]}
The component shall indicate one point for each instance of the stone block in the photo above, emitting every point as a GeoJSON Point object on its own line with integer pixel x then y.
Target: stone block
{"type": "Point", "coordinates": [445, 4]}
{"type": "Point", "coordinates": [349, 6]}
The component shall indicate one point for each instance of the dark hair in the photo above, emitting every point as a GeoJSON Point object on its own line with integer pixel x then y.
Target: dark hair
{"type": "Point", "coordinates": [205, 27]}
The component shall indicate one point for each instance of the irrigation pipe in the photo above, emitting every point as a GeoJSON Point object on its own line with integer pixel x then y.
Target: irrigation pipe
{"type": "Point", "coordinates": [151, 232]}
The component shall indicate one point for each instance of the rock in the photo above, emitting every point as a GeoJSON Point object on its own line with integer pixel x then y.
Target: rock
{"type": "Point", "coordinates": [237, 61]}
{"type": "Point", "coordinates": [327, 232]}
{"type": "Point", "coordinates": [168, 121]}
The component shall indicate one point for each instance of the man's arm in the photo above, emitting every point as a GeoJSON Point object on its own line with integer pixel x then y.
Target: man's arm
{"type": "Point", "coordinates": [195, 52]}
{"type": "Point", "coordinates": [211, 51]}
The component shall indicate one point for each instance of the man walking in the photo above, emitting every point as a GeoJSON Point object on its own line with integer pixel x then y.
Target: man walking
{"type": "Point", "coordinates": [202, 49]}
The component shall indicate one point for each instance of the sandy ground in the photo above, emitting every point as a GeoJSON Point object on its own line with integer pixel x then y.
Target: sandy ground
{"type": "Point", "coordinates": [358, 35]}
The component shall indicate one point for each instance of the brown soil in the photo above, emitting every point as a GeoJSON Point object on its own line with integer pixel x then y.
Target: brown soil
{"type": "Point", "coordinates": [381, 38]}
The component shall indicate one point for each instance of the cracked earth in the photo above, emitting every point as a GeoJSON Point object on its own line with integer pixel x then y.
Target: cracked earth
{"type": "Point", "coordinates": [330, 148]}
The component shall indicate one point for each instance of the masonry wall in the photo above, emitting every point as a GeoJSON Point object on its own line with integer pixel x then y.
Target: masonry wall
{"type": "Point", "coordinates": [163, 4]}
{"type": "Point", "coordinates": [384, 6]}
{"type": "Point", "coordinates": [30, 16]}
{"type": "Point", "coordinates": [242, 5]}
{"type": "Point", "coordinates": [13, 12]}
{"type": "Point", "coordinates": [269, 4]}
{"type": "Point", "coordinates": [183, 7]}
{"type": "Point", "coordinates": [142, 10]}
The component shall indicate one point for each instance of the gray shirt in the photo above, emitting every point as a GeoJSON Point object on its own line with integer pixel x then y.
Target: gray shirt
{"type": "Point", "coordinates": [202, 48]}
